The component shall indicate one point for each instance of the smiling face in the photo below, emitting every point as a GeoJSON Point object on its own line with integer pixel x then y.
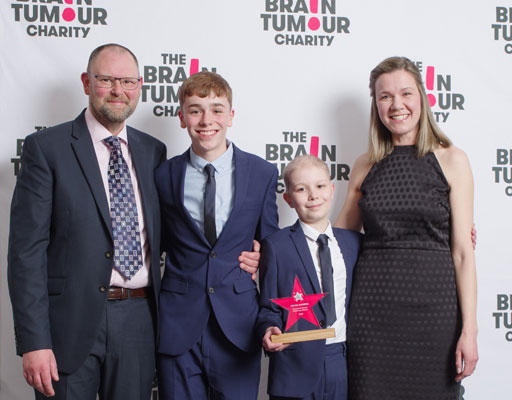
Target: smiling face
{"type": "Point", "coordinates": [112, 106]}
{"type": "Point", "coordinates": [310, 192]}
{"type": "Point", "coordinates": [207, 120]}
{"type": "Point", "coordinates": [398, 102]}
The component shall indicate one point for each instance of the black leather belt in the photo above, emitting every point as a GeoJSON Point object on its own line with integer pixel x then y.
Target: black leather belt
{"type": "Point", "coordinates": [119, 293]}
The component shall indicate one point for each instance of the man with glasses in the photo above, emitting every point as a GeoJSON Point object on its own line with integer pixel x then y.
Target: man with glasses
{"type": "Point", "coordinates": [84, 244]}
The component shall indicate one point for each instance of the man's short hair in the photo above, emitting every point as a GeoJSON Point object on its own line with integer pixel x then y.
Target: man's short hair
{"type": "Point", "coordinates": [96, 52]}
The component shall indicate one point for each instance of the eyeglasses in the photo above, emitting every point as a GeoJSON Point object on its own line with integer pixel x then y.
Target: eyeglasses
{"type": "Point", "coordinates": [107, 82]}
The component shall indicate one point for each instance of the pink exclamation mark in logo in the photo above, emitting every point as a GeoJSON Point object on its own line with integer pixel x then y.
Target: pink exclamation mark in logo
{"type": "Point", "coordinates": [430, 86]}
{"type": "Point", "coordinates": [68, 14]}
{"type": "Point", "coordinates": [194, 66]}
{"type": "Point", "coordinates": [313, 148]}
{"type": "Point", "coordinates": [314, 22]}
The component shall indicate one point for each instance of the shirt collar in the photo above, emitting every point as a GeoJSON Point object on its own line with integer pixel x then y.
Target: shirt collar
{"type": "Point", "coordinates": [99, 132]}
{"type": "Point", "coordinates": [221, 164]}
{"type": "Point", "coordinates": [312, 233]}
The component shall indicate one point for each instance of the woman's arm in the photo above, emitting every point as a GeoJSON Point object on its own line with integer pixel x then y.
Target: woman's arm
{"type": "Point", "coordinates": [457, 170]}
{"type": "Point", "coordinates": [350, 215]}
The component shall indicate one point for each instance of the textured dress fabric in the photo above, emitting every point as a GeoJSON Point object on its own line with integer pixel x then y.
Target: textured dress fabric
{"type": "Point", "coordinates": [404, 316]}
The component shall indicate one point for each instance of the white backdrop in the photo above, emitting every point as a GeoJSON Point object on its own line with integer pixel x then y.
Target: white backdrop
{"type": "Point", "coordinates": [299, 71]}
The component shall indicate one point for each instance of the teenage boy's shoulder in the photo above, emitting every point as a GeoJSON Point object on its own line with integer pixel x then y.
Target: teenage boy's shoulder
{"type": "Point", "coordinates": [170, 166]}
{"type": "Point", "coordinates": [259, 164]}
{"type": "Point", "coordinates": [256, 162]}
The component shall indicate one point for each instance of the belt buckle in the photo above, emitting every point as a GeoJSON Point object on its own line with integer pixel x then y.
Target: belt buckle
{"type": "Point", "coordinates": [125, 293]}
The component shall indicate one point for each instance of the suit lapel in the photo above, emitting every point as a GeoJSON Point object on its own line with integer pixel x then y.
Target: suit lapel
{"type": "Point", "coordinates": [86, 156]}
{"type": "Point", "coordinates": [300, 242]}
{"type": "Point", "coordinates": [349, 254]}
{"type": "Point", "coordinates": [179, 193]}
{"type": "Point", "coordinates": [139, 149]}
{"type": "Point", "coordinates": [241, 184]}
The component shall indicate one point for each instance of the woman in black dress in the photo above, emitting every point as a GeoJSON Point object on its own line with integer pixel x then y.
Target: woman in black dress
{"type": "Point", "coordinates": [412, 318]}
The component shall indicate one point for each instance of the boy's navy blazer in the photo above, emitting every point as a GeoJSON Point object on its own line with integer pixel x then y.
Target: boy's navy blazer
{"type": "Point", "coordinates": [199, 278]}
{"type": "Point", "coordinates": [285, 254]}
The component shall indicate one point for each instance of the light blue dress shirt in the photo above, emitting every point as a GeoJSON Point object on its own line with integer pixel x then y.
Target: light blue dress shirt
{"type": "Point", "coordinates": [195, 183]}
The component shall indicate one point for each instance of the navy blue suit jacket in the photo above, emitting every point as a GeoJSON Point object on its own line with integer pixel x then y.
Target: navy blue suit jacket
{"type": "Point", "coordinates": [199, 278]}
{"type": "Point", "coordinates": [295, 371]}
{"type": "Point", "coordinates": [60, 242]}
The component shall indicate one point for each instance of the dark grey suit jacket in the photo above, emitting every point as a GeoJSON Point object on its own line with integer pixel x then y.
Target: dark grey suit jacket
{"type": "Point", "coordinates": [60, 240]}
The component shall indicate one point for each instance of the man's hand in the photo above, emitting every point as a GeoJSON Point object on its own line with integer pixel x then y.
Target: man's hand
{"type": "Point", "coordinates": [39, 368]}
{"type": "Point", "coordinates": [250, 260]}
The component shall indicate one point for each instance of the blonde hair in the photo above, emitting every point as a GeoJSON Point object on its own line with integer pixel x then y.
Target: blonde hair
{"type": "Point", "coordinates": [430, 135]}
{"type": "Point", "coordinates": [301, 161]}
{"type": "Point", "coordinates": [202, 84]}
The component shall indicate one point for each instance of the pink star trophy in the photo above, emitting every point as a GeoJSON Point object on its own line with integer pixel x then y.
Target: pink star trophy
{"type": "Point", "coordinates": [300, 305]}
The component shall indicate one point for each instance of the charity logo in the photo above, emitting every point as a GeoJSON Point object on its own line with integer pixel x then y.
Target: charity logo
{"type": "Point", "coordinates": [440, 92]}
{"type": "Point", "coordinates": [58, 18]}
{"type": "Point", "coordinates": [502, 171]}
{"type": "Point", "coordinates": [162, 82]}
{"type": "Point", "coordinates": [297, 143]}
{"type": "Point", "coordinates": [503, 315]}
{"type": "Point", "coordinates": [304, 22]}
{"type": "Point", "coordinates": [16, 160]}
{"type": "Point", "coordinates": [502, 29]}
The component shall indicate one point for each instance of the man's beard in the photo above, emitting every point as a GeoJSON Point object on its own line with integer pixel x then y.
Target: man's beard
{"type": "Point", "coordinates": [115, 117]}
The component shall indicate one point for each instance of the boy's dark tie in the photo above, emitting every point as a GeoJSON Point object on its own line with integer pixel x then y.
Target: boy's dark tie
{"type": "Point", "coordinates": [327, 280]}
{"type": "Point", "coordinates": [209, 205]}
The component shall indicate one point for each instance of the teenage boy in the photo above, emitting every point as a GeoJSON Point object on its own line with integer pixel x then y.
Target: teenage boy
{"type": "Point", "coordinates": [322, 258]}
{"type": "Point", "coordinates": [215, 200]}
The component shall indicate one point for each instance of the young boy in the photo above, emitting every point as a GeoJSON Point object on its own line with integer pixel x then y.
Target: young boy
{"type": "Point", "coordinates": [215, 200]}
{"type": "Point", "coordinates": [315, 369]}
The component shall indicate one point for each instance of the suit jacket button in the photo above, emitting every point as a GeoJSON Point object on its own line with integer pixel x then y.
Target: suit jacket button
{"type": "Point", "coordinates": [108, 254]}
{"type": "Point", "coordinates": [211, 290]}
{"type": "Point", "coordinates": [322, 324]}
{"type": "Point", "coordinates": [213, 254]}
{"type": "Point", "coordinates": [103, 289]}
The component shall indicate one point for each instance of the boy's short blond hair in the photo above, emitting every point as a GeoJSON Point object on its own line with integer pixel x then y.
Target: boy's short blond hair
{"type": "Point", "coordinates": [302, 161]}
{"type": "Point", "coordinates": [203, 84]}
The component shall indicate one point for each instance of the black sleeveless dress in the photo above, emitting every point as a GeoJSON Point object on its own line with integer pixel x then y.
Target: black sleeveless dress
{"type": "Point", "coordinates": [404, 317]}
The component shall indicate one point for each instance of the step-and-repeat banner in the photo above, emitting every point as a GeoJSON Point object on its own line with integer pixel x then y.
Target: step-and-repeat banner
{"type": "Point", "coordinates": [299, 71]}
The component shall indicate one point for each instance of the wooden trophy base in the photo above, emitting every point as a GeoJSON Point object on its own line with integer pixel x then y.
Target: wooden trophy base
{"type": "Point", "coordinates": [303, 336]}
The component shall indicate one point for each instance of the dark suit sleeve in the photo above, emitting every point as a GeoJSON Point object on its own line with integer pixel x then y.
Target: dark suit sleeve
{"type": "Point", "coordinates": [29, 237]}
{"type": "Point", "coordinates": [269, 313]}
{"type": "Point", "coordinates": [268, 222]}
